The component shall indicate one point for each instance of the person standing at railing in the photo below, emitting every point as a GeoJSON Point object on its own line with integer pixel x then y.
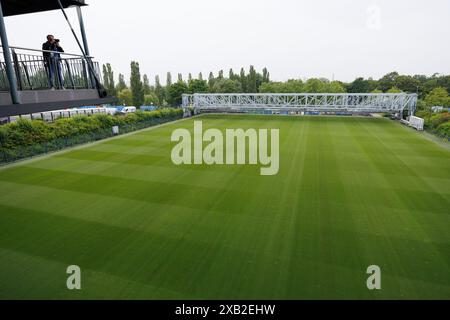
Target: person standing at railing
{"type": "Point", "coordinates": [52, 59]}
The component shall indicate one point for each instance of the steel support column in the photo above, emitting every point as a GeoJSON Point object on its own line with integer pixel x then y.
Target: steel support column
{"type": "Point", "coordinates": [83, 32]}
{"type": "Point", "coordinates": [8, 62]}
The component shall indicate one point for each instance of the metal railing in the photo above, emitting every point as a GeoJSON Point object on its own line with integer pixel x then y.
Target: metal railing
{"type": "Point", "coordinates": [34, 71]}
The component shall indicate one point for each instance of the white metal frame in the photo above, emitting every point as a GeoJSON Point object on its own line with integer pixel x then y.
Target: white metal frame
{"type": "Point", "coordinates": [315, 102]}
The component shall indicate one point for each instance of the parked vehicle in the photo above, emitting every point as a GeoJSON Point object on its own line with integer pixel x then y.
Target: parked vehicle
{"type": "Point", "coordinates": [125, 110]}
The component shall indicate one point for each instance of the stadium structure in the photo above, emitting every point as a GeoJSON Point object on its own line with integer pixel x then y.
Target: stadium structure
{"type": "Point", "coordinates": [305, 102]}
{"type": "Point", "coordinates": [25, 81]}
{"type": "Point", "coordinates": [351, 193]}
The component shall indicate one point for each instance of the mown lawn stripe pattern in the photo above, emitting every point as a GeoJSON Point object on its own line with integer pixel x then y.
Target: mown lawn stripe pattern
{"type": "Point", "coordinates": [351, 192]}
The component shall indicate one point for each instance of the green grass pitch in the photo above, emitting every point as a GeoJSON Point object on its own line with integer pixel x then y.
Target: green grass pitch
{"type": "Point", "coordinates": [351, 192]}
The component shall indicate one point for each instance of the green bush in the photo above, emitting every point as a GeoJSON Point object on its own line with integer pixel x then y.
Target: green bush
{"type": "Point", "coordinates": [440, 118]}
{"type": "Point", "coordinates": [444, 130]}
{"type": "Point", "coordinates": [26, 138]}
{"type": "Point", "coordinates": [437, 123]}
{"type": "Point", "coordinates": [423, 114]}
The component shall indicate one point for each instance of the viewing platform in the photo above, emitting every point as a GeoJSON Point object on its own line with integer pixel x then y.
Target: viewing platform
{"type": "Point", "coordinates": [32, 82]}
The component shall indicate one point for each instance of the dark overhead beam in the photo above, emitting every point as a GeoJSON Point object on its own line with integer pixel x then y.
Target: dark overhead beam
{"type": "Point", "coordinates": [30, 108]}
{"type": "Point", "coordinates": [17, 7]}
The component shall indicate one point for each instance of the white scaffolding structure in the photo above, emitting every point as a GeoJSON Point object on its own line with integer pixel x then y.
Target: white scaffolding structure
{"type": "Point", "coordinates": [306, 102]}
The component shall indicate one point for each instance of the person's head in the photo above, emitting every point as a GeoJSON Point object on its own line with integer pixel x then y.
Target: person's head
{"type": "Point", "coordinates": [51, 38]}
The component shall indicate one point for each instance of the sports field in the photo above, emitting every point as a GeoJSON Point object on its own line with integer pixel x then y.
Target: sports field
{"type": "Point", "coordinates": [350, 193]}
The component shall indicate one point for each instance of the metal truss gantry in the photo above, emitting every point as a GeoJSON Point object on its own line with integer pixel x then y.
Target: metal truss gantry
{"type": "Point", "coordinates": [320, 102]}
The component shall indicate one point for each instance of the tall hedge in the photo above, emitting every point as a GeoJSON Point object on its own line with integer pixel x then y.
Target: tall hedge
{"type": "Point", "coordinates": [437, 123]}
{"type": "Point", "coordinates": [17, 136]}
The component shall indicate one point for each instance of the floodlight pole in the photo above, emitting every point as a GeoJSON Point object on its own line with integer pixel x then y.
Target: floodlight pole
{"type": "Point", "coordinates": [8, 62]}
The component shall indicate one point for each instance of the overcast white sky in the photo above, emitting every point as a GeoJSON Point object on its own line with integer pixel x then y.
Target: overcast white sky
{"type": "Point", "coordinates": [292, 38]}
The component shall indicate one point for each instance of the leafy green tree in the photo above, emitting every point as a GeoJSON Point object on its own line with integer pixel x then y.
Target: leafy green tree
{"type": "Point", "coordinates": [211, 81]}
{"type": "Point", "coordinates": [377, 91]}
{"type": "Point", "coordinates": [251, 81]}
{"type": "Point", "coordinates": [407, 84]}
{"type": "Point", "coordinates": [146, 85]}
{"type": "Point", "coordinates": [438, 97]}
{"type": "Point", "coordinates": [175, 93]}
{"type": "Point", "coordinates": [265, 76]}
{"type": "Point", "coordinates": [227, 86]}
{"type": "Point", "coordinates": [121, 84]}
{"type": "Point", "coordinates": [335, 87]}
{"type": "Point", "coordinates": [360, 85]}
{"type": "Point", "coordinates": [168, 80]}
{"type": "Point", "coordinates": [294, 86]}
{"type": "Point", "coordinates": [290, 86]}
{"type": "Point", "coordinates": [151, 99]}
{"type": "Point", "coordinates": [444, 81]}
{"type": "Point", "coordinates": [125, 97]}
{"type": "Point", "coordinates": [159, 91]}
{"type": "Point", "coordinates": [231, 74]}
{"type": "Point", "coordinates": [315, 86]}
{"type": "Point", "coordinates": [243, 80]}
{"type": "Point", "coordinates": [136, 85]}
{"type": "Point", "coordinates": [108, 79]}
{"type": "Point", "coordinates": [394, 90]}
{"type": "Point", "coordinates": [198, 86]}
{"type": "Point", "coordinates": [387, 81]}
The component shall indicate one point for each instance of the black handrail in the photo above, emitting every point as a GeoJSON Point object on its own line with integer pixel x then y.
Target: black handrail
{"type": "Point", "coordinates": [36, 72]}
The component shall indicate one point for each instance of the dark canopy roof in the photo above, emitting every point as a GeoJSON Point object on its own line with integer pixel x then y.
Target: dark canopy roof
{"type": "Point", "coordinates": [16, 7]}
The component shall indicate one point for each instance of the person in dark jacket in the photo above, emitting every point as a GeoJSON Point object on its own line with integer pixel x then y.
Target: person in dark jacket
{"type": "Point", "coordinates": [52, 60]}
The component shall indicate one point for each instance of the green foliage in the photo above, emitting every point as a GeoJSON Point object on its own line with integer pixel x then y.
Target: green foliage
{"type": "Point", "coordinates": [315, 86]}
{"type": "Point", "coordinates": [291, 86]}
{"type": "Point", "coordinates": [151, 99]}
{"type": "Point", "coordinates": [198, 86]}
{"type": "Point", "coordinates": [125, 97]}
{"type": "Point", "coordinates": [175, 92]}
{"type": "Point", "coordinates": [444, 130]}
{"type": "Point", "coordinates": [438, 97]}
{"type": "Point", "coordinates": [335, 87]}
{"type": "Point", "coordinates": [146, 85]}
{"type": "Point", "coordinates": [388, 81]}
{"type": "Point", "coordinates": [252, 81]}
{"type": "Point", "coordinates": [394, 90]}
{"type": "Point", "coordinates": [159, 91]}
{"type": "Point", "coordinates": [137, 88]}
{"type": "Point", "coordinates": [407, 84]}
{"type": "Point", "coordinates": [226, 86]}
{"type": "Point", "coordinates": [423, 114]}
{"type": "Point", "coordinates": [439, 118]}
{"type": "Point", "coordinates": [108, 79]}
{"type": "Point", "coordinates": [121, 85]}
{"type": "Point", "coordinates": [360, 85]}
{"type": "Point", "coordinates": [168, 79]}
{"type": "Point", "coordinates": [437, 123]}
{"type": "Point", "coordinates": [39, 136]}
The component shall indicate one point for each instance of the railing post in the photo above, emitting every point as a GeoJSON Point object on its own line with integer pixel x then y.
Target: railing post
{"type": "Point", "coordinates": [69, 71]}
{"type": "Point", "coordinates": [17, 69]}
{"type": "Point", "coordinates": [85, 76]}
{"type": "Point", "coordinates": [27, 75]}
{"type": "Point", "coordinates": [8, 63]}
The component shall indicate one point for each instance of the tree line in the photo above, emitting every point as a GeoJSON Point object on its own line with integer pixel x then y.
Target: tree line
{"type": "Point", "coordinates": [432, 90]}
